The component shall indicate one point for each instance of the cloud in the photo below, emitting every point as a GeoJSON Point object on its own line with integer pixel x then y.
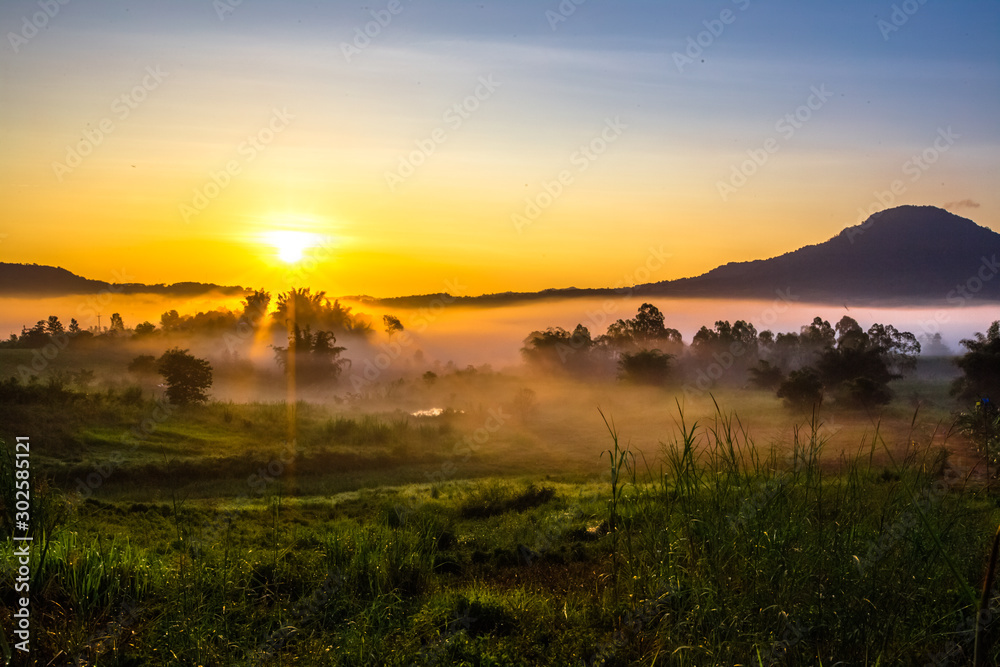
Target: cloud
{"type": "Point", "coordinates": [965, 203]}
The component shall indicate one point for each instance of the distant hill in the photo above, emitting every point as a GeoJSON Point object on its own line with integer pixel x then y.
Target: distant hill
{"type": "Point", "coordinates": [901, 255]}
{"type": "Point", "coordinates": [38, 280]}
{"type": "Point", "coordinates": [904, 255]}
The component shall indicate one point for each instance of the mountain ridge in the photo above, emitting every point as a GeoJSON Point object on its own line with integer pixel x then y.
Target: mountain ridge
{"type": "Point", "coordinates": [906, 255]}
{"type": "Point", "coordinates": [35, 280]}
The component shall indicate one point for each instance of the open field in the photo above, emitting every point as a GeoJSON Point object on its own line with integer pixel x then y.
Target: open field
{"type": "Point", "coordinates": [515, 527]}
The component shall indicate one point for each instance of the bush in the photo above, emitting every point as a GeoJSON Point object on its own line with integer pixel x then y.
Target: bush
{"type": "Point", "coordinates": [802, 389]}
{"type": "Point", "coordinates": [187, 377]}
{"type": "Point", "coordinates": [645, 367]}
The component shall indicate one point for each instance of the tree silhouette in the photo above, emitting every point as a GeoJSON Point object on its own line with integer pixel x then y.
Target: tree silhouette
{"type": "Point", "coordinates": [313, 357]}
{"type": "Point", "coordinates": [255, 306]}
{"type": "Point", "coordinates": [803, 389]}
{"type": "Point", "coordinates": [645, 366]}
{"type": "Point", "coordinates": [300, 307]}
{"type": "Point", "coordinates": [556, 349]}
{"type": "Point", "coordinates": [980, 366]}
{"type": "Point", "coordinates": [53, 327]}
{"type": "Point", "coordinates": [392, 324]}
{"type": "Point", "coordinates": [145, 329]}
{"type": "Point", "coordinates": [766, 376]}
{"type": "Point", "coordinates": [645, 329]}
{"type": "Point", "coordinates": [187, 376]}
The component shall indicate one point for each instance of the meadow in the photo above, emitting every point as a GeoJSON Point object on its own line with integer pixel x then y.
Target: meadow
{"type": "Point", "coordinates": [526, 521]}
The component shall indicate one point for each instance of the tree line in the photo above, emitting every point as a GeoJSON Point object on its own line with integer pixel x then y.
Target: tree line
{"type": "Point", "coordinates": [845, 362]}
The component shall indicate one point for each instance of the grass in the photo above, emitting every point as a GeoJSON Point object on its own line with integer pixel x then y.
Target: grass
{"type": "Point", "coordinates": [709, 547]}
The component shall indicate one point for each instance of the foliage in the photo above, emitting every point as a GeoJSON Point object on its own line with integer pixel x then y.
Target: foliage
{"type": "Point", "coordinates": [311, 356]}
{"type": "Point", "coordinates": [980, 366]}
{"type": "Point", "coordinates": [858, 562]}
{"type": "Point", "coordinates": [303, 308]}
{"type": "Point", "coordinates": [765, 376]}
{"type": "Point", "coordinates": [556, 349]}
{"type": "Point", "coordinates": [982, 426]}
{"type": "Point", "coordinates": [802, 389]}
{"type": "Point", "coordinates": [187, 376]}
{"type": "Point", "coordinates": [645, 329]}
{"type": "Point", "coordinates": [145, 329]}
{"type": "Point", "coordinates": [645, 367]}
{"type": "Point", "coordinates": [144, 364]}
{"type": "Point", "coordinates": [392, 324]}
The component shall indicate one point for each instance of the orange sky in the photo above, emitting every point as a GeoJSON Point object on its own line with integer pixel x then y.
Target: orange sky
{"type": "Point", "coordinates": [202, 136]}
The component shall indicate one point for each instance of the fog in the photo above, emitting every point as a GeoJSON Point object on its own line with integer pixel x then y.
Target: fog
{"type": "Point", "coordinates": [476, 335]}
{"type": "Point", "coordinates": [551, 419]}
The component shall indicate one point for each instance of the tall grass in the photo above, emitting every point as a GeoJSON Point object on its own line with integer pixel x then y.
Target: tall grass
{"type": "Point", "coordinates": [715, 550]}
{"type": "Point", "coordinates": [730, 548]}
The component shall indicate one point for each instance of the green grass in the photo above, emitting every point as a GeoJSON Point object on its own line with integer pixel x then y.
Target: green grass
{"type": "Point", "coordinates": [835, 539]}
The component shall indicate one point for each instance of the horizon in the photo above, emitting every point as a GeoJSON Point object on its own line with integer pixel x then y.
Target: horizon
{"type": "Point", "coordinates": [492, 145]}
{"type": "Point", "coordinates": [304, 264]}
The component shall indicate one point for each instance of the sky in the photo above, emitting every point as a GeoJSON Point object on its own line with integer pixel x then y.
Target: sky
{"type": "Point", "coordinates": [403, 147]}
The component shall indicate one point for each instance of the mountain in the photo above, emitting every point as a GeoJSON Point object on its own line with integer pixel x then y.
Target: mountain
{"type": "Point", "coordinates": [901, 255]}
{"type": "Point", "coordinates": [36, 280]}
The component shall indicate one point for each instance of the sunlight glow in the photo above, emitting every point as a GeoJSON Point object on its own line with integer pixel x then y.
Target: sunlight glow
{"type": "Point", "coordinates": [291, 245]}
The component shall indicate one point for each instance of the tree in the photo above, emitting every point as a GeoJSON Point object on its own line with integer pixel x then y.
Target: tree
{"type": "Point", "coordinates": [187, 376]}
{"type": "Point", "coordinates": [818, 335]}
{"type": "Point", "coordinates": [980, 366]}
{"type": "Point", "coordinates": [313, 357]}
{"type": "Point", "coordinates": [255, 306]}
{"type": "Point", "coordinates": [392, 324]}
{"type": "Point", "coordinates": [302, 308]}
{"type": "Point", "coordinates": [982, 426]}
{"type": "Point", "coordinates": [145, 329]}
{"type": "Point", "coordinates": [54, 327]}
{"type": "Point", "coordinates": [645, 367]}
{"type": "Point", "coordinates": [803, 389]}
{"type": "Point", "coordinates": [117, 324]}
{"type": "Point", "coordinates": [144, 364]}
{"type": "Point", "coordinates": [556, 349]}
{"type": "Point", "coordinates": [862, 364]}
{"type": "Point", "coordinates": [170, 320]}
{"type": "Point", "coordinates": [35, 336]}
{"type": "Point", "coordinates": [645, 329]}
{"type": "Point", "coordinates": [766, 376]}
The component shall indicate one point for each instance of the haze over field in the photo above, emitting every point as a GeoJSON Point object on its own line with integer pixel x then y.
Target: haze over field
{"type": "Point", "coordinates": [478, 335]}
{"type": "Point", "coordinates": [504, 332]}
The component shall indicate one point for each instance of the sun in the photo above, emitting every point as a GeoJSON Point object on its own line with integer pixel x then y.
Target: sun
{"type": "Point", "coordinates": [291, 245]}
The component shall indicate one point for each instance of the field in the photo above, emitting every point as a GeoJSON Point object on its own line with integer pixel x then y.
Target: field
{"type": "Point", "coordinates": [526, 521]}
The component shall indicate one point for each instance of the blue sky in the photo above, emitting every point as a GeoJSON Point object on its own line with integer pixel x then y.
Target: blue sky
{"type": "Point", "coordinates": [356, 117]}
